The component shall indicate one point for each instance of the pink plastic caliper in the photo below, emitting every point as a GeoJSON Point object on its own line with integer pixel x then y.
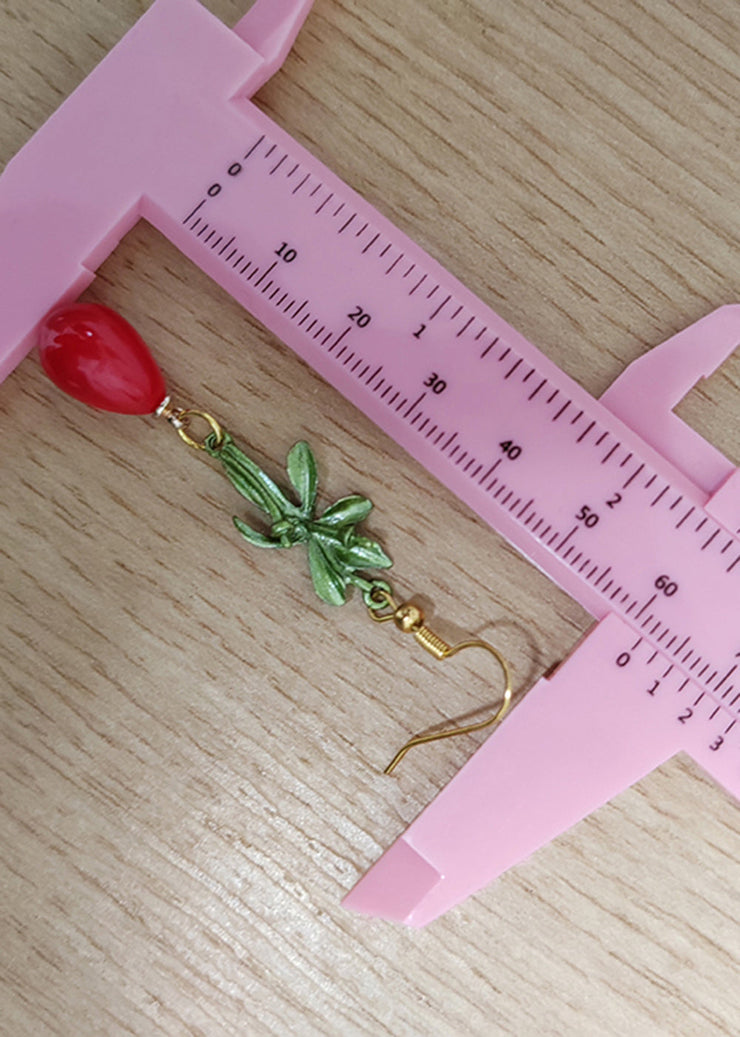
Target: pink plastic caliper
{"type": "Point", "coordinates": [617, 500]}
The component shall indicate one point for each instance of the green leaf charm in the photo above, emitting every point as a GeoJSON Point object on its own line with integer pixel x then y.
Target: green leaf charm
{"type": "Point", "coordinates": [336, 551]}
{"type": "Point", "coordinates": [302, 473]}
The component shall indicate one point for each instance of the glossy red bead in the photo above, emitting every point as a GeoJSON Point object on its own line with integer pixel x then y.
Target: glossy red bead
{"type": "Point", "coordinates": [93, 354]}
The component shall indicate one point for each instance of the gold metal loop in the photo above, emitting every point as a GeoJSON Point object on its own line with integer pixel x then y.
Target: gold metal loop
{"type": "Point", "coordinates": [409, 618]}
{"type": "Point", "coordinates": [180, 420]}
{"type": "Point", "coordinates": [186, 416]}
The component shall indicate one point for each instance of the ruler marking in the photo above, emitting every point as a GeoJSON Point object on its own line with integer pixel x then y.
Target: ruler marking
{"type": "Point", "coordinates": [490, 471]}
{"type": "Point", "coordinates": [465, 327]}
{"type": "Point", "coordinates": [338, 339]}
{"type": "Point", "coordinates": [270, 151]}
{"type": "Point", "coordinates": [566, 538]}
{"type": "Point", "coordinates": [196, 209]}
{"type": "Point", "coordinates": [268, 271]}
{"type": "Point", "coordinates": [300, 185]}
{"type": "Point", "coordinates": [325, 202]}
{"type": "Point", "coordinates": [585, 432]}
{"type": "Point", "coordinates": [529, 503]}
{"type": "Point", "coordinates": [681, 521]}
{"type": "Point", "coordinates": [275, 168]}
{"type": "Point", "coordinates": [489, 347]}
{"type": "Point", "coordinates": [254, 147]}
{"type": "Point", "coordinates": [418, 284]}
{"type": "Point", "coordinates": [371, 243]}
{"type": "Point", "coordinates": [615, 447]}
{"type": "Point", "coordinates": [646, 606]}
{"type": "Point", "coordinates": [659, 497]}
{"type": "Point", "coordinates": [706, 543]}
{"type": "Point", "coordinates": [511, 370]}
{"type": "Point", "coordinates": [578, 417]}
{"type": "Point", "coordinates": [440, 307]}
{"type": "Point", "coordinates": [562, 411]}
{"type": "Point", "coordinates": [542, 384]}
{"type": "Point", "coordinates": [415, 404]}
{"type": "Point", "coordinates": [393, 264]}
{"type": "Point", "coordinates": [603, 576]}
{"type": "Point", "coordinates": [450, 440]}
{"type": "Point", "coordinates": [345, 225]}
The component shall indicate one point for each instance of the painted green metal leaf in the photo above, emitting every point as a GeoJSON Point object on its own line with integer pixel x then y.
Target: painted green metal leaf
{"type": "Point", "coordinates": [301, 466]}
{"type": "Point", "coordinates": [329, 584]}
{"type": "Point", "coordinates": [362, 553]}
{"type": "Point", "coordinates": [336, 552]}
{"type": "Point", "coordinates": [347, 510]}
{"type": "Point", "coordinates": [251, 482]}
{"type": "Point", "coordinates": [253, 536]}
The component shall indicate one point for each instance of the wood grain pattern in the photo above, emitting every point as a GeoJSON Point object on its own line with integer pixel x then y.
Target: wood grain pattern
{"type": "Point", "coordinates": [190, 745]}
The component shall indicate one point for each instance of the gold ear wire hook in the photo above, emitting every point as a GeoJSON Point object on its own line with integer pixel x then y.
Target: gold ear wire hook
{"type": "Point", "coordinates": [409, 619]}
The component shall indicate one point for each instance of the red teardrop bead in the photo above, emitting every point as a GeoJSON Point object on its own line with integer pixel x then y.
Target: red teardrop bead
{"type": "Point", "coordinates": [93, 354]}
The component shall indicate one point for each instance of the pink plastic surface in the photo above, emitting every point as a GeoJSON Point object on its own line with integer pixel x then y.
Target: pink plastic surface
{"type": "Point", "coordinates": [619, 502]}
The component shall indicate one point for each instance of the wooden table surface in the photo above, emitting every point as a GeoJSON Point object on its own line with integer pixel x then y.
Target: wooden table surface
{"type": "Point", "coordinates": [190, 744]}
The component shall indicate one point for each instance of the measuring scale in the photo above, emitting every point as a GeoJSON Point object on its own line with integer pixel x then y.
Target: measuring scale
{"type": "Point", "coordinates": [617, 500]}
